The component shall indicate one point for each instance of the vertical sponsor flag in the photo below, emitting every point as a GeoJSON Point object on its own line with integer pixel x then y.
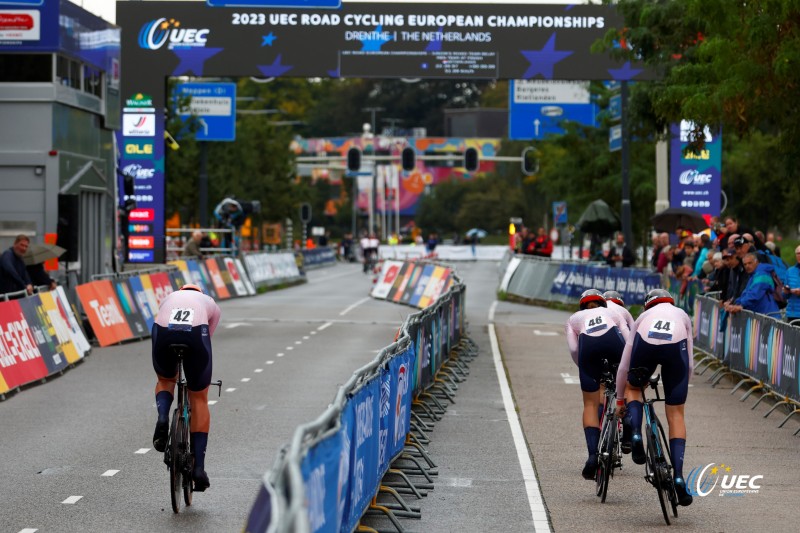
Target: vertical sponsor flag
{"type": "Point", "coordinates": [20, 359]}
{"type": "Point", "coordinates": [695, 178]}
{"type": "Point", "coordinates": [44, 334]}
{"type": "Point", "coordinates": [320, 470]}
{"type": "Point", "coordinates": [104, 312]}
{"type": "Point", "coordinates": [75, 330]}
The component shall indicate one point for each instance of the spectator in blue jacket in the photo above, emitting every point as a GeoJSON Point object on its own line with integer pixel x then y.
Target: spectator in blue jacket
{"type": "Point", "coordinates": [791, 285]}
{"type": "Point", "coordinates": [13, 274]}
{"type": "Point", "coordinates": [757, 294]}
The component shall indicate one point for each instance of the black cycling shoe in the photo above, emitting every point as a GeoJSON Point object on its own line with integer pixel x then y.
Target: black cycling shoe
{"type": "Point", "coordinates": [161, 436]}
{"type": "Point", "coordinates": [590, 468]}
{"type": "Point", "coordinates": [637, 449]}
{"type": "Point", "coordinates": [684, 498]}
{"type": "Point", "coordinates": [625, 441]}
{"type": "Point", "coordinates": [201, 482]}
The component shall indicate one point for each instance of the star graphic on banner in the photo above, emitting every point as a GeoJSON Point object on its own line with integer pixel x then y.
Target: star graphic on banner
{"type": "Point", "coordinates": [624, 73]}
{"type": "Point", "coordinates": [192, 59]}
{"type": "Point", "coordinates": [267, 40]}
{"type": "Point", "coordinates": [334, 73]}
{"type": "Point", "coordinates": [435, 45]}
{"type": "Point", "coordinates": [543, 61]}
{"type": "Point", "coordinates": [275, 69]}
{"type": "Point", "coordinates": [374, 45]}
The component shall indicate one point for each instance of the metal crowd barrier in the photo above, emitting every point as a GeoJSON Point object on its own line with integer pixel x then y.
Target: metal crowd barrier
{"type": "Point", "coordinates": [757, 351]}
{"type": "Point", "coordinates": [330, 475]}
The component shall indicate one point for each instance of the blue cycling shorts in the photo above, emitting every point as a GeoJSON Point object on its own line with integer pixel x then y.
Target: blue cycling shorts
{"type": "Point", "coordinates": [197, 365]}
{"type": "Point", "coordinates": [674, 361]}
{"type": "Point", "coordinates": [592, 351]}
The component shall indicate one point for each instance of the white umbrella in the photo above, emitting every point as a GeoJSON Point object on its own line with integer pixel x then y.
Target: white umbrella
{"type": "Point", "coordinates": [481, 233]}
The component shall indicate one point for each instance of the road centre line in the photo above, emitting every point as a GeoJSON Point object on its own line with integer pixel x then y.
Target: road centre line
{"type": "Point", "coordinates": [350, 308]}
{"type": "Point", "coordinates": [298, 342]}
{"type": "Point", "coordinates": [28, 530]}
{"type": "Point", "coordinates": [72, 500]}
{"type": "Point", "coordinates": [538, 513]}
{"type": "Point", "coordinates": [109, 473]}
{"type": "Point", "coordinates": [258, 370]}
{"type": "Point", "coordinates": [289, 348]}
{"type": "Point", "coordinates": [270, 362]}
{"type": "Point", "coordinates": [245, 380]}
{"type": "Point", "coordinates": [212, 402]}
{"type": "Point", "coordinates": [142, 450]}
{"type": "Point", "coordinates": [280, 354]}
{"type": "Point", "coordinates": [324, 326]}
{"type": "Point", "coordinates": [306, 337]}
{"type": "Point", "coordinates": [230, 389]}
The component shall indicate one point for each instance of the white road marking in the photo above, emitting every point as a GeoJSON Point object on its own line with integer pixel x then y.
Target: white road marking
{"type": "Point", "coordinates": [280, 355]}
{"type": "Point", "coordinates": [245, 380]}
{"type": "Point", "coordinates": [28, 530]}
{"type": "Point", "coordinates": [492, 309]}
{"type": "Point", "coordinates": [270, 362]}
{"type": "Point", "coordinates": [570, 380]}
{"type": "Point", "coordinates": [306, 337]}
{"type": "Point", "coordinates": [457, 482]}
{"type": "Point", "coordinates": [230, 389]}
{"type": "Point", "coordinates": [298, 342]}
{"type": "Point", "coordinates": [313, 332]}
{"type": "Point", "coordinates": [290, 348]}
{"type": "Point", "coordinates": [258, 370]}
{"type": "Point", "coordinates": [538, 512]}
{"type": "Point", "coordinates": [545, 333]}
{"type": "Point", "coordinates": [142, 450]}
{"type": "Point", "coordinates": [109, 473]}
{"type": "Point", "coordinates": [212, 402]}
{"type": "Point", "coordinates": [350, 308]}
{"type": "Point", "coordinates": [72, 499]}
{"type": "Point", "coordinates": [326, 325]}
{"type": "Point", "coordinates": [236, 325]}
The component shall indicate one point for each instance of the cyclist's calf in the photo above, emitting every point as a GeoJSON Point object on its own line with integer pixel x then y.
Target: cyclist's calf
{"type": "Point", "coordinates": [201, 417]}
{"type": "Point", "coordinates": [166, 384]}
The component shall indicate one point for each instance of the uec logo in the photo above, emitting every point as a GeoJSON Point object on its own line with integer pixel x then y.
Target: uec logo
{"type": "Point", "coordinates": [702, 481]}
{"type": "Point", "coordinates": [693, 177]}
{"type": "Point", "coordinates": [155, 33]}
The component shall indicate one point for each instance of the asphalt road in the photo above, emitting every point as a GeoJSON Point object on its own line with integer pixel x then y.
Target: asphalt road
{"type": "Point", "coordinates": [285, 353]}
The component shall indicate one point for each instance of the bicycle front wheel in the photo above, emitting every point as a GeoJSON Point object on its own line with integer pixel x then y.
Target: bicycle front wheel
{"type": "Point", "coordinates": [175, 466]}
{"type": "Point", "coordinates": [654, 460]}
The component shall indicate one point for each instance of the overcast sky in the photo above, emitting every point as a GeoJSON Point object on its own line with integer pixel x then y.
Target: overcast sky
{"type": "Point", "coordinates": [107, 8]}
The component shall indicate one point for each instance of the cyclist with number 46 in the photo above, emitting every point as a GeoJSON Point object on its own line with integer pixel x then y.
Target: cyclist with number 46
{"type": "Point", "coordinates": [593, 334]}
{"type": "Point", "coordinates": [662, 335]}
{"type": "Point", "coordinates": [187, 316]}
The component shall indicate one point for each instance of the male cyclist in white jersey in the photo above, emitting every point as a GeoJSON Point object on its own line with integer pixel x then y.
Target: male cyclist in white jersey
{"type": "Point", "coordinates": [662, 335]}
{"type": "Point", "coordinates": [593, 334]}
{"type": "Point", "coordinates": [189, 317]}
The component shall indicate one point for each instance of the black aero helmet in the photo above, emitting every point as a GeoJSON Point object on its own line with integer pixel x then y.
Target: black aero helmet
{"type": "Point", "coordinates": [592, 295]}
{"type": "Point", "coordinates": [614, 296]}
{"type": "Point", "coordinates": [658, 296]}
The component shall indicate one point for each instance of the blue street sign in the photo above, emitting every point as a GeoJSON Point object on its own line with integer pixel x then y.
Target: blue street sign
{"type": "Point", "coordinates": [615, 107]}
{"type": "Point", "coordinates": [24, 2]}
{"type": "Point", "coordinates": [559, 213]}
{"type": "Point", "coordinates": [615, 138]}
{"type": "Point", "coordinates": [214, 105]}
{"type": "Point", "coordinates": [537, 109]}
{"type": "Point", "coordinates": [311, 4]}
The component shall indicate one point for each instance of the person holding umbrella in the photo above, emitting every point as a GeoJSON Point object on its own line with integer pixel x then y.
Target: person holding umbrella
{"type": "Point", "coordinates": [34, 259]}
{"type": "Point", "coordinates": [13, 275]}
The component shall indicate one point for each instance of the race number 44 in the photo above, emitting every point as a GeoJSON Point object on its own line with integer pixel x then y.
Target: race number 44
{"type": "Point", "coordinates": [661, 329]}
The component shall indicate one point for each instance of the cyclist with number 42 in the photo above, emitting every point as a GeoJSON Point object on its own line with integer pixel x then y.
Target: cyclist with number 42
{"type": "Point", "coordinates": [187, 316]}
{"type": "Point", "coordinates": [662, 335]}
{"type": "Point", "coordinates": [594, 333]}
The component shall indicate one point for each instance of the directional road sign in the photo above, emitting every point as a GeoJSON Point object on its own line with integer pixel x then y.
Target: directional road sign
{"type": "Point", "coordinates": [311, 4]}
{"type": "Point", "coordinates": [537, 107]}
{"type": "Point", "coordinates": [214, 105]}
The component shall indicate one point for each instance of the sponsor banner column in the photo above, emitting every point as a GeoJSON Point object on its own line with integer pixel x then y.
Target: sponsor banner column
{"type": "Point", "coordinates": [20, 359]}
{"type": "Point", "coordinates": [365, 407]}
{"type": "Point", "coordinates": [104, 312]}
{"type": "Point", "coordinates": [322, 476]}
{"type": "Point", "coordinates": [127, 301]}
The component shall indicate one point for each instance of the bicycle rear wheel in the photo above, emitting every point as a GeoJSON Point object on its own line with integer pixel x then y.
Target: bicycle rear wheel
{"type": "Point", "coordinates": [175, 463]}
{"type": "Point", "coordinates": [188, 463]}
{"type": "Point", "coordinates": [605, 459]}
{"type": "Point", "coordinates": [670, 485]}
{"type": "Point", "coordinates": [654, 461]}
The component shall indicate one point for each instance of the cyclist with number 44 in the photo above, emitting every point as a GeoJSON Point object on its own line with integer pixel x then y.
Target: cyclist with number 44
{"type": "Point", "coordinates": [593, 334]}
{"type": "Point", "coordinates": [662, 335]}
{"type": "Point", "coordinates": [188, 317]}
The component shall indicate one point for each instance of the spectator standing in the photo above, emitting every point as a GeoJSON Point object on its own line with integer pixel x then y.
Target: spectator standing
{"type": "Point", "coordinates": [792, 288]}
{"type": "Point", "coordinates": [704, 243]}
{"type": "Point", "coordinates": [757, 294]}
{"type": "Point", "coordinates": [542, 245]}
{"type": "Point", "coordinates": [347, 247]}
{"type": "Point", "coordinates": [430, 244]}
{"type": "Point", "coordinates": [40, 277]}
{"type": "Point", "coordinates": [775, 249]}
{"type": "Point", "coordinates": [620, 254]}
{"type": "Point", "coordinates": [192, 246]}
{"type": "Point", "coordinates": [13, 274]}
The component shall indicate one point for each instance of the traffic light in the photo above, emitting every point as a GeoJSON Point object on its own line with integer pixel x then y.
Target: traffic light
{"type": "Point", "coordinates": [409, 159]}
{"type": "Point", "coordinates": [471, 160]}
{"type": "Point", "coordinates": [530, 163]}
{"type": "Point", "coordinates": [354, 159]}
{"type": "Point", "coordinates": [305, 209]}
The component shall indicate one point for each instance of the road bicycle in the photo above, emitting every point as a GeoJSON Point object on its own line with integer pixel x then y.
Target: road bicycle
{"type": "Point", "coordinates": [178, 455]}
{"type": "Point", "coordinates": [609, 452]}
{"type": "Point", "coordinates": [658, 464]}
